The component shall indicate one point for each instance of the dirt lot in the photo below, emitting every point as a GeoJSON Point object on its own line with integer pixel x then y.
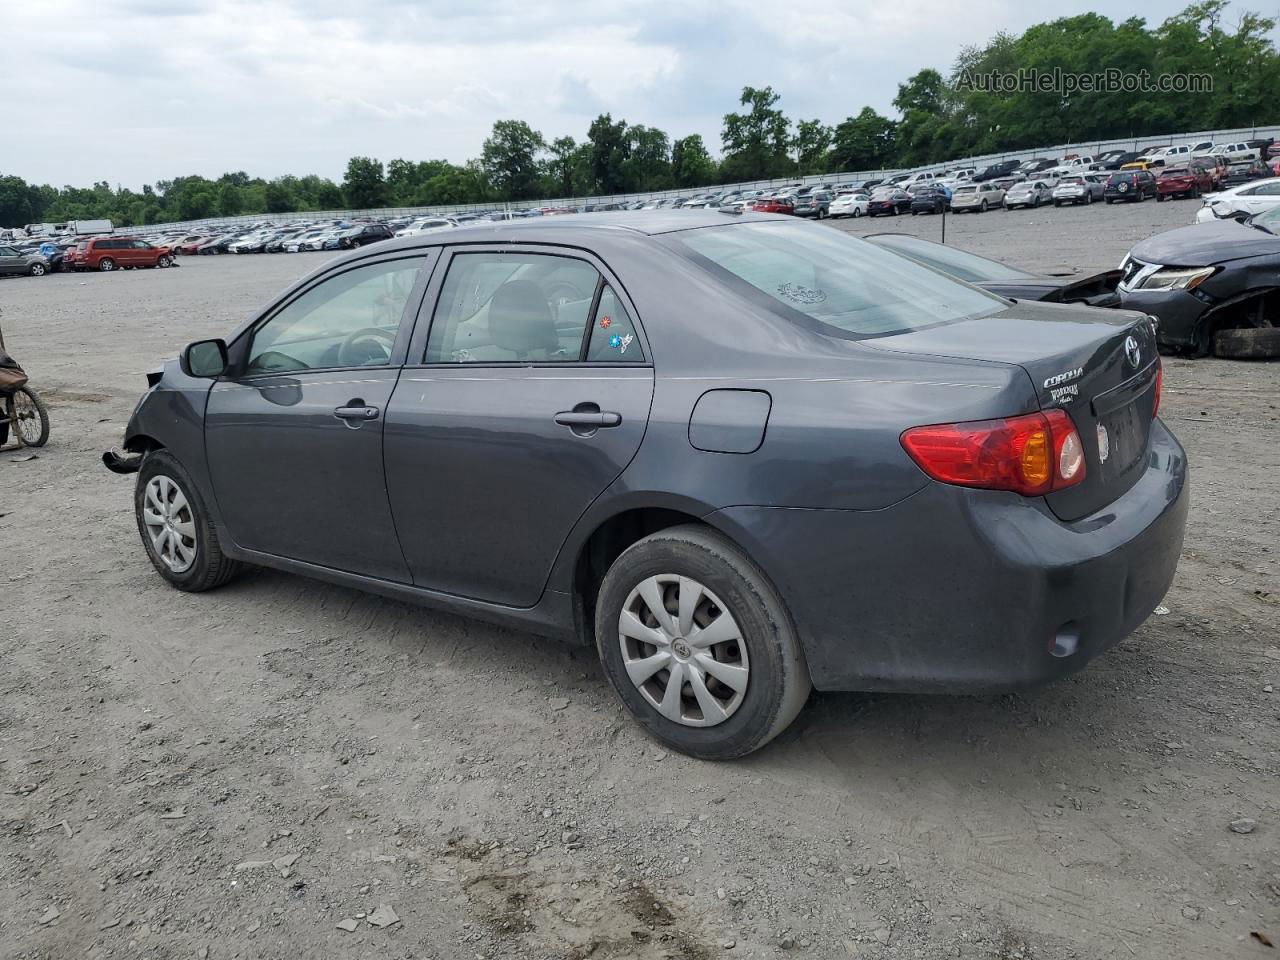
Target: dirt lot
{"type": "Point", "coordinates": [236, 773]}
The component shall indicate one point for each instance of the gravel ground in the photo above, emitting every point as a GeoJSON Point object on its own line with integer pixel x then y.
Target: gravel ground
{"type": "Point", "coordinates": [247, 773]}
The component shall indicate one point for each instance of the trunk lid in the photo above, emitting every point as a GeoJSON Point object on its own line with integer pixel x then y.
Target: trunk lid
{"type": "Point", "coordinates": [1079, 359]}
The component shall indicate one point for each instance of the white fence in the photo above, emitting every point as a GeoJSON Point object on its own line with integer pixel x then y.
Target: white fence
{"type": "Point", "coordinates": [1092, 147]}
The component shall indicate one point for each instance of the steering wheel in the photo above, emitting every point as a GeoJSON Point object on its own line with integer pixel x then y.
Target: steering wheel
{"type": "Point", "coordinates": [368, 345]}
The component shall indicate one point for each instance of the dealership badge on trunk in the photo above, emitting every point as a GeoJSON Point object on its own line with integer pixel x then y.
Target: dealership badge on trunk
{"type": "Point", "coordinates": [1104, 444]}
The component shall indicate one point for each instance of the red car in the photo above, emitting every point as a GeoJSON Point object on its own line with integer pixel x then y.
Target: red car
{"type": "Point", "coordinates": [1189, 181]}
{"type": "Point", "coordinates": [114, 253]}
{"type": "Point", "coordinates": [774, 205]}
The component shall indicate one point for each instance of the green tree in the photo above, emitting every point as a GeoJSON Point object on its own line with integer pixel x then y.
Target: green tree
{"type": "Point", "coordinates": [811, 142]}
{"type": "Point", "coordinates": [756, 142]}
{"type": "Point", "coordinates": [864, 142]}
{"type": "Point", "coordinates": [648, 164]}
{"type": "Point", "coordinates": [691, 164]}
{"type": "Point", "coordinates": [365, 185]}
{"type": "Point", "coordinates": [609, 152]}
{"type": "Point", "coordinates": [230, 201]}
{"type": "Point", "coordinates": [560, 166]}
{"type": "Point", "coordinates": [510, 159]}
{"type": "Point", "coordinates": [278, 197]}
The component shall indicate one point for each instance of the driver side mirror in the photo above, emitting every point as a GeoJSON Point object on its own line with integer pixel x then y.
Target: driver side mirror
{"type": "Point", "coordinates": [204, 358]}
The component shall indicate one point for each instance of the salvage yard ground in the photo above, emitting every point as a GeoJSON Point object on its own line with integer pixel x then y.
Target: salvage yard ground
{"type": "Point", "coordinates": [288, 769]}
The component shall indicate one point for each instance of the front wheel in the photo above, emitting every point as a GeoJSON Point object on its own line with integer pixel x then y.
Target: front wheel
{"type": "Point", "coordinates": [37, 270]}
{"type": "Point", "coordinates": [28, 417]}
{"type": "Point", "coordinates": [164, 262]}
{"type": "Point", "coordinates": [856, 213]}
{"type": "Point", "coordinates": [698, 645]}
{"type": "Point", "coordinates": [983, 206]}
{"type": "Point", "coordinates": [176, 528]}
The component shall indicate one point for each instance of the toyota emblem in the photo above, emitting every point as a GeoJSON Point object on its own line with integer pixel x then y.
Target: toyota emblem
{"type": "Point", "coordinates": [1132, 352]}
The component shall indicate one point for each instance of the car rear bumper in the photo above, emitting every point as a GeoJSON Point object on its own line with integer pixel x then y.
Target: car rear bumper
{"type": "Point", "coordinates": [964, 591]}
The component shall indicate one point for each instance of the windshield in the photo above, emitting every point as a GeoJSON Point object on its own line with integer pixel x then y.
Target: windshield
{"type": "Point", "coordinates": [957, 263]}
{"type": "Point", "coordinates": [846, 286]}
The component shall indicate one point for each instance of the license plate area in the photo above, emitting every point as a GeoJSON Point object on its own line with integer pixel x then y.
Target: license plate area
{"type": "Point", "coordinates": [1126, 438]}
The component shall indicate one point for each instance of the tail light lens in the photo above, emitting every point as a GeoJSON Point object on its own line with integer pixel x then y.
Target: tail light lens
{"type": "Point", "coordinates": [1032, 455]}
{"type": "Point", "coordinates": [1155, 406]}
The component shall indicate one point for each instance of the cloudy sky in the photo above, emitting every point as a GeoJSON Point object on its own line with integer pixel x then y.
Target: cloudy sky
{"type": "Point", "coordinates": [133, 91]}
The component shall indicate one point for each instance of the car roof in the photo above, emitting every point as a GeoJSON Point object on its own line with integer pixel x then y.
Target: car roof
{"type": "Point", "coordinates": [578, 227]}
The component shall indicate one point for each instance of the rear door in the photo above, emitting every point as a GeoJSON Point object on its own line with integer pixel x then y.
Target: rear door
{"type": "Point", "coordinates": [527, 394]}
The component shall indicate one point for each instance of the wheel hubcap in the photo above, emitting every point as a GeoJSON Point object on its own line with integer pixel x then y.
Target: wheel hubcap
{"type": "Point", "coordinates": [170, 523]}
{"type": "Point", "coordinates": [683, 650]}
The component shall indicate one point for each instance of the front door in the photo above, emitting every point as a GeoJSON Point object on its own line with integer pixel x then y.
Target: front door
{"type": "Point", "coordinates": [531, 396]}
{"type": "Point", "coordinates": [294, 440]}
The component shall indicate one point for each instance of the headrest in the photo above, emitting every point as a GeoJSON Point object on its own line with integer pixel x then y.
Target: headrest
{"type": "Point", "coordinates": [520, 319]}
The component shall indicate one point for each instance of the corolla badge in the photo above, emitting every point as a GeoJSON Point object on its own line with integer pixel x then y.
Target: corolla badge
{"type": "Point", "coordinates": [1061, 390]}
{"type": "Point", "coordinates": [1104, 444]}
{"type": "Point", "coordinates": [1132, 352]}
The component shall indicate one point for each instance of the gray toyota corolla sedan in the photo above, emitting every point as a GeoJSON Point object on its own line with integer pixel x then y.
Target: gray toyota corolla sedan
{"type": "Point", "coordinates": [742, 455]}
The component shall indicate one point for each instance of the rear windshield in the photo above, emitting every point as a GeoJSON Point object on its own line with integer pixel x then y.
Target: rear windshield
{"type": "Point", "coordinates": [843, 285]}
{"type": "Point", "coordinates": [957, 263]}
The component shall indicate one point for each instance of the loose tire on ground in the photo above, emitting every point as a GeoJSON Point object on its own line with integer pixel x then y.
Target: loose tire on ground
{"type": "Point", "coordinates": [210, 567]}
{"type": "Point", "coordinates": [777, 680]}
{"type": "Point", "coordinates": [1255, 343]}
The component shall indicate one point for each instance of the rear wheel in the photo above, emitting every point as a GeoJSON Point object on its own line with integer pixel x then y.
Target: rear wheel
{"type": "Point", "coordinates": [698, 646]}
{"type": "Point", "coordinates": [176, 528]}
{"type": "Point", "coordinates": [106, 264]}
{"type": "Point", "coordinates": [28, 418]}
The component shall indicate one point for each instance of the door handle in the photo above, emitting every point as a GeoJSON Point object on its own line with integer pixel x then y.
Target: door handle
{"type": "Point", "coordinates": [575, 418]}
{"type": "Point", "coordinates": [356, 412]}
{"type": "Point", "coordinates": [586, 418]}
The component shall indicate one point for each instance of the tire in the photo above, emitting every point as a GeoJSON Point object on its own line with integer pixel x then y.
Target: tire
{"type": "Point", "coordinates": [353, 245]}
{"type": "Point", "coordinates": [106, 264]}
{"type": "Point", "coordinates": [37, 270]}
{"type": "Point", "coordinates": [856, 213]}
{"type": "Point", "coordinates": [761, 639]}
{"type": "Point", "coordinates": [163, 262]}
{"type": "Point", "coordinates": [28, 416]}
{"type": "Point", "coordinates": [983, 207]}
{"type": "Point", "coordinates": [1088, 199]}
{"type": "Point", "coordinates": [1109, 200]}
{"type": "Point", "coordinates": [208, 567]}
{"type": "Point", "coordinates": [1252, 343]}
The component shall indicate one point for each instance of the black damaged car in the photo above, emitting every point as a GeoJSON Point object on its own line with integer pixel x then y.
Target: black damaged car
{"type": "Point", "coordinates": [1214, 287]}
{"type": "Point", "coordinates": [1098, 290]}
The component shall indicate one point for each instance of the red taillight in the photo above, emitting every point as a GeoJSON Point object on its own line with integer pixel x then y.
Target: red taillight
{"type": "Point", "coordinates": [1155, 406]}
{"type": "Point", "coordinates": [1032, 455]}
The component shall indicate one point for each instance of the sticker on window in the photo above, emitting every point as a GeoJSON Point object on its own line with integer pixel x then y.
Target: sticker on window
{"type": "Point", "coordinates": [793, 291]}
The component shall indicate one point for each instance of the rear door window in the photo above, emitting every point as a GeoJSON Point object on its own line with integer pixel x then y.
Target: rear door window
{"type": "Point", "coordinates": [499, 307]}
{"type": "Point", "coordinates": [613, 335]}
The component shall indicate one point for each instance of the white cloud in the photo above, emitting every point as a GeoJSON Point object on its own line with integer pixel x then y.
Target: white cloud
{"type": "Point", "coordinates": [139, 90]}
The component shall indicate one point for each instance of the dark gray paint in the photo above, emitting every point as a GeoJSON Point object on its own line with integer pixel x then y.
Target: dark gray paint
{"type": "Point", "coordinates": [729, 421]}
{"type": "Point", "coordinates": [894, 581]}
